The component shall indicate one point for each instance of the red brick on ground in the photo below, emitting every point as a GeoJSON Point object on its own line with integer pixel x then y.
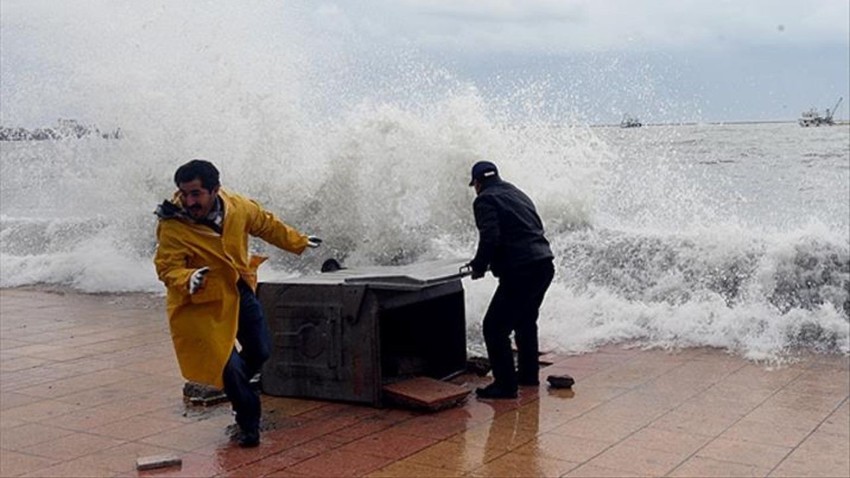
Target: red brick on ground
{"type": "Point", "coordinates": [89, 384]}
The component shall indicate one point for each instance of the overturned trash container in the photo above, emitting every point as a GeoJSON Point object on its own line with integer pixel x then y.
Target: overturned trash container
{"type": "Point", "coordinates": [344, 335]}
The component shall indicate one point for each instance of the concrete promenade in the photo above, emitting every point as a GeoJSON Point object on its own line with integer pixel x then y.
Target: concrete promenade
{"type": "Point", "coordinates": [89, 383]}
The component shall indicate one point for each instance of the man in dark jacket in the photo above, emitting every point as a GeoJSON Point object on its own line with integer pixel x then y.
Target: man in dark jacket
{"type": "Point", "coordinates": [512, 245]}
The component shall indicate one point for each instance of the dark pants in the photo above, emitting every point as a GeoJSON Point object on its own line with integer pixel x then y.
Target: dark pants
{"type": "Point", "coordinates": [253, 335]}
{"type": "Point", "coordinates": [514, 308]}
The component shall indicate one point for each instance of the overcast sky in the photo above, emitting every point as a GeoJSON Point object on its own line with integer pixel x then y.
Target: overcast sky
{"type": "Point", "coordinates": [663, 60]}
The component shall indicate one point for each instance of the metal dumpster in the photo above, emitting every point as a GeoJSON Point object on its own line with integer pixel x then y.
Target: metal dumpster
{"type": "Point", "coordinates": [342, 335]}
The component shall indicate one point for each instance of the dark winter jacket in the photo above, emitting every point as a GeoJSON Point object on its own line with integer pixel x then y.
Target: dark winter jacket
{"type": "Point", "coordinates": [510, 231]}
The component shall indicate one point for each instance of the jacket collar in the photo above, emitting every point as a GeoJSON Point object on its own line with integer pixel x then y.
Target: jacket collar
{"type": "Point", "coordinates": [173, 209]}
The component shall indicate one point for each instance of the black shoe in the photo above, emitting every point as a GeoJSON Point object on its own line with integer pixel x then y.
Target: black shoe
{"type": "Point", "coordinates": [249, 439]}
{"type": "Point", "coordinates": [495, 391]}
{"type": "Point", "coordinates": [529, 383]}
{"type": "Point", "coordinates": [560, 381]}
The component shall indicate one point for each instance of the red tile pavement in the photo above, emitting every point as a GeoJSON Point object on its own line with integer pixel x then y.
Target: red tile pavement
{"type": "Point", "coordinates": [88, 383]}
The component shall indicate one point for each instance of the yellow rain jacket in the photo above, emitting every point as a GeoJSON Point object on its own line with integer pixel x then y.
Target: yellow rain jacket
{"type": "Point", "coordinates": [203, 325]}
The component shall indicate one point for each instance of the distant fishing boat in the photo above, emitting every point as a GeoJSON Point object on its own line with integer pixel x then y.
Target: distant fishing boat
{"type": "Point", "coordinates": [813, 118]}
{"type": "Point", "coordinates": [630, 122]}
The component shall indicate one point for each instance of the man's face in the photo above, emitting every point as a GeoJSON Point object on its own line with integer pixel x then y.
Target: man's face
{"type": "Point", "coordinates": [197, 199]}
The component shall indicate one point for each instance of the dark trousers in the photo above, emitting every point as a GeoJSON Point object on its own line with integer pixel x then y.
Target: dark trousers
{"type": "Point", "coordinates": [514, 308]}
{"type": "Point", "coordinates": [253, 336]}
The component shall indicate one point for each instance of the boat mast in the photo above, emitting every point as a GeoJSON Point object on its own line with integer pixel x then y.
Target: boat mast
{"type": "Point", "coordinates": [834, 108]}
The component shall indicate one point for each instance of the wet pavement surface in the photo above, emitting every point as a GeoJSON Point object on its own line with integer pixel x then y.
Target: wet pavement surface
{"type": "Point", "coordinates": [89, 383]}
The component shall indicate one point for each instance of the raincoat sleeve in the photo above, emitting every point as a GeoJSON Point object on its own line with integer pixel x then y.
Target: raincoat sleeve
{"type": "Point", "coordinates": [267, 226]}
{"type": "Point", "coordinates": [170, 262]}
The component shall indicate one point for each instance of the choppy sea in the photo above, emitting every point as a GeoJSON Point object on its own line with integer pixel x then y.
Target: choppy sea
{"type": "Point", "coordinates": [734, 236]}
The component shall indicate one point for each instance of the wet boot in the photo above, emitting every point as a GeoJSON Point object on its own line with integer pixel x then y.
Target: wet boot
{"type": "Point", "coordinates": [495, 391]}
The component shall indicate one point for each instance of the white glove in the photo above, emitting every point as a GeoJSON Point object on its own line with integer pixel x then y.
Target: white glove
{"type": "Point", "coordinates": [313, 241]}
{"type": "Point", "coordinates": [197, 279]}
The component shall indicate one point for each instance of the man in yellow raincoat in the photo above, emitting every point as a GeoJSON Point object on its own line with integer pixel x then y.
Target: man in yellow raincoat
{"type": "Point", "coordinates": [202, 258]}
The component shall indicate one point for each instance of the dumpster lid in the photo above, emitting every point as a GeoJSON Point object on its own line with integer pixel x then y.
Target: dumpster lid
{"type": "Point", "coordinates": [406, 277]}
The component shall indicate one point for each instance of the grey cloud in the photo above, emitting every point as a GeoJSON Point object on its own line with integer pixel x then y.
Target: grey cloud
{"type": "Point", "coordinates": [586, 25]}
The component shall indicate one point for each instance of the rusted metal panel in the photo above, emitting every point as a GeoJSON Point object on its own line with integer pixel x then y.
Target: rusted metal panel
{"type": "Point", "coordinates": [324, 342]}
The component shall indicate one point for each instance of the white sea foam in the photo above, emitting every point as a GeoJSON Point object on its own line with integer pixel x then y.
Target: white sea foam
{"type": "Point", "coordinates": [731, 236]}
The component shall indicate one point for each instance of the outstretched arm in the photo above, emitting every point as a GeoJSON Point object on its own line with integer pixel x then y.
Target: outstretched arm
{"type": "Point", "coordinates": [487, 221]}
{"type": "Point", "coordinates": [269, 228]}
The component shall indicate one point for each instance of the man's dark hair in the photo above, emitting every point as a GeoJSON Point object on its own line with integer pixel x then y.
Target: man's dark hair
{"type": "Point", "coordinates": [198, 169]}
